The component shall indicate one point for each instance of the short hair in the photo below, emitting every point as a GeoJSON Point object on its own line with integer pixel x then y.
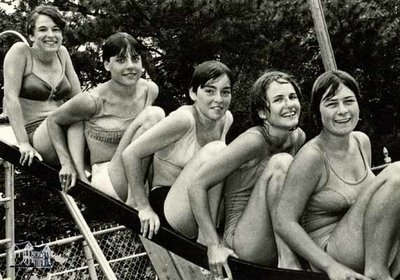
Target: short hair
{"type": "Point", "coordinates": [329, 83]}
{"type": "Point", "coordinates": [259, 101]}
{"type": "Point", "coordinates": [50, 11]}
{"type": "Point", "coordinates": [209, 70]}
{"type": "Point", "coordinates": [118, 44]}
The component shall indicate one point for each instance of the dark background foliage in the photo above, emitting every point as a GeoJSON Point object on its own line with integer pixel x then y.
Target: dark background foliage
{"type": "Point", "coordinates": [250, 37]}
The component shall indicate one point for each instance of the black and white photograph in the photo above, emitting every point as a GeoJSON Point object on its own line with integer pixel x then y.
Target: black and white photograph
{"type": "Point", "coordinates": [199, 139]}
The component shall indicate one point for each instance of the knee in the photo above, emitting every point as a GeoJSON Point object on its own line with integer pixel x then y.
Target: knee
{"type": "Point", "coordinates": [152, 115]}
{"type": "Point", "coordinates": [392, 175]}
{"type": "Point", "coordinates": [211, 149]}
{"type": "Point", "coordinates": [280, 163]}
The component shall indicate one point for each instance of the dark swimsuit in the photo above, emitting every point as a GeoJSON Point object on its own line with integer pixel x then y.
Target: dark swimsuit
{"type": "Point", "coordinates": [38, 98]}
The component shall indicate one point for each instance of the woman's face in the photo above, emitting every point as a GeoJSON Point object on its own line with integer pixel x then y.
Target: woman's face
{"type": "Point", "coordinates": [214, 98]}
{"type": "Point", "coordinates": [46, 34]}
{"type": "Point", "coordinates": [340, 113]}
{"type": "Point", "coordinates": [284, 106]}
{"type": "Point", "coordinates": [125, 69]}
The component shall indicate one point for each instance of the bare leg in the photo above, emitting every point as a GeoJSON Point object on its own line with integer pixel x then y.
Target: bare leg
{"type": "Point", "coordinates": [43, 144]}
{"type": "Point", "coordinates": [382, 224]}
{"type": "Point", "coordinates": [177, 207]}
{"type": "Point", "coordinates": [145, 120]}
{"type": "Point", "coordinates": [254, 238]}
{"type": "Point", "coordinates": [286, 257]}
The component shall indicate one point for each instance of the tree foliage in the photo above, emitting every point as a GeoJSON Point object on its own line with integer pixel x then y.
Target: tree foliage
{"type": "Point", "coordinates": [250, 36]}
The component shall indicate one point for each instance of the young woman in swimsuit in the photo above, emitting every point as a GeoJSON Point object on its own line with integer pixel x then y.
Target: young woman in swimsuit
{"type": "Point", "coordinates": [180, 144]}
{"type": "Point", "coordinates": [37, 80]}
{"type": "Point", "coordinates": [253, 167]}
{"type": "Point", "coordinates": [114, 114]}
{"type": "Point", "coordinates": [333, 210]}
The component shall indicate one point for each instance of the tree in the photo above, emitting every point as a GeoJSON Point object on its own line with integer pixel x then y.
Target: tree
{"type": "Point", "coordinates": [250, 37]}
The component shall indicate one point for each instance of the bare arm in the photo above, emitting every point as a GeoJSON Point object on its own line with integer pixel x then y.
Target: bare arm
{"type": "Point", "coordinates": [79, 108]}
{"type": "Point", "coordinates": [241, 150]}
{"type": "Point", "coordinates": [14, 68]}
{"type": "Point", "coordinates": [163, 134]}
{"type": "Point", "coordinates": [303, 177]}
{"type": "Point", "coordinates": [244, 148]}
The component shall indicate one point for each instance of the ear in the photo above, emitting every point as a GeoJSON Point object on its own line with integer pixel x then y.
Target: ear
{"type": "Point", "coordinates": [192, 95]}
{"type": "Point", "coordinates": [107, 65]}
{"type": "Point", "coordinates": [31, 38]}
{"type": "Point", "coordinates": [263, 114]}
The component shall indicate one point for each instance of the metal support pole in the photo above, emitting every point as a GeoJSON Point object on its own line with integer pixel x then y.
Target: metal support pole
{"type": "Point", "coordinates": [10, 225]}
{"type": "Point", "coordinates": [328, 58]}
{"type": "Point", "coordinates": [89, 260]}
{"type": "Point", "coordinates": [89, 237]}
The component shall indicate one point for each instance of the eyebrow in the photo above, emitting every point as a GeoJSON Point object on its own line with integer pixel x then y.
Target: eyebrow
{"type": "Point", "coordinates": [211, 86]}
{"type": "Point", "coordinates": [344, 98]}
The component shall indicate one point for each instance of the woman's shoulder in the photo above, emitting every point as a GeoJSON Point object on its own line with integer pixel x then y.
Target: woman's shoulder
{"type": "Point", "coordinates": [298, 138]}
{"type": "Point", "coordinates": [311, 153]}
{"type": "Point", "coordinates": [19, 50]}
{"type": "Point", "coordinates": [254, 136]}
{"type": "Point", "coordinates": [150, 87]}
{"type": "Point", "coordinates": [361, 136]}
{"type": "Point", "coordinates": [185, 111]}
{"type": "Point", "coordinates": [63, 52]}
{"type": "Point", "coordinates": [228, 116]}
{"type": "Point", "coordinates": [184, 114]}
{"type": "Point", "coordinates": [363, 140]}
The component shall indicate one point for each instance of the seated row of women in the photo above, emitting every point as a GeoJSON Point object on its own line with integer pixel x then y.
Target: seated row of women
{"type": "Point", "coordinates": [278, 199]}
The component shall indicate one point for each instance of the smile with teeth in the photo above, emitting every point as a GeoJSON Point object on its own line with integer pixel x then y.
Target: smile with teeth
{"type": "Point", "coordinates": [343, 120]}
{"type": "Point", "coordinates": [288, 114]}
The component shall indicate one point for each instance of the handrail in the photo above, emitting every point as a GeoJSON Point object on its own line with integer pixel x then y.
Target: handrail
{"type": "Point", "coordinates": [170, 240]}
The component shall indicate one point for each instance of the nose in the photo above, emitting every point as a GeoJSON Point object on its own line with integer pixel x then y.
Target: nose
{"type": "Point", "coordinates": [50, 32]}
{"type": "Point", "coordinates": [218, 97]}
{"type": "Point", "coordinates": [342, 108]}
{"type": "Point", "coordinates": [288, 103]}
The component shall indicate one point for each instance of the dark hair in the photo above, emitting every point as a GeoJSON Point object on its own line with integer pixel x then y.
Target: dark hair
{"type": "Point", "coordinates": [329, 83]}
{"type": "Point", "coordinates": [120, 43]}
{"type": "Point", "coordinates": [46, 10]}
{"type": "Point", "coordinates": [259, 100]}
{"type": "Point", "coordinates": [209, 70]}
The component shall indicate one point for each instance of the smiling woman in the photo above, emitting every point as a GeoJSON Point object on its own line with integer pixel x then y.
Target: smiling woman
{"type": "Point", "coordinates": [180, 144]}
{"type": "Point", "coordinates": [112, 114]}
{"type": "Point", "coordinates": [333, 210]}
{"type": "Point", "coordinates": [37, 80]}
{"type": "Point", "coordinates": [253, 167]}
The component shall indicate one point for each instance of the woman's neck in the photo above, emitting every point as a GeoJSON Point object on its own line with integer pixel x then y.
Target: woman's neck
{"type": "Point", "coordinates": [278, 137]}
{"type": "Point", "coordinates": [44, 58]}
{"type": "Point", "coordinates": [335, 143]}
{"type": "Point", "coordinates": [121, 91]}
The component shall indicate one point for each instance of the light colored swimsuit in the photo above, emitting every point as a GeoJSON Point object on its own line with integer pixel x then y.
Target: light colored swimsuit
{"type": "Point", "coordinates": [104, 131]}
{"type": "Point", "coordinates": [329, 203]}
{"type": "Point", "coordinates": [169, 162]}
{"type": "Point", "coordinates": [240, 184]}
{"type": "Point", "coordinates": [38, 98]}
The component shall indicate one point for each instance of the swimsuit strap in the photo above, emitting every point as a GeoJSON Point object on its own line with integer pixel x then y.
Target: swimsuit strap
{"type": "Point", "coordinates": [364, 162]}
